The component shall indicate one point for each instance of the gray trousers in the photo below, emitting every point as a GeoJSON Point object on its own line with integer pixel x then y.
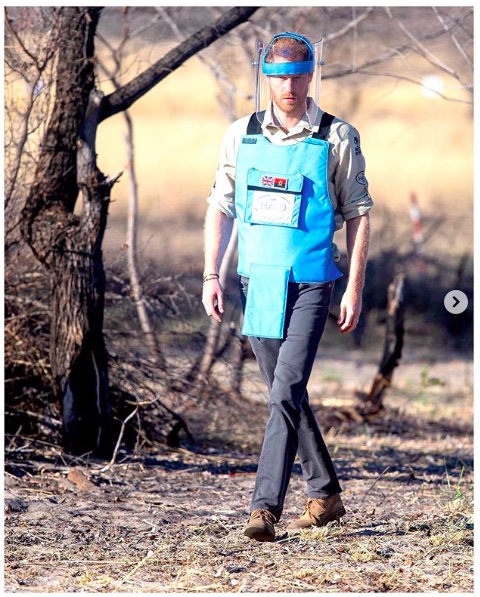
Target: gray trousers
{"type": "Point", "coordinates": [285, 366]}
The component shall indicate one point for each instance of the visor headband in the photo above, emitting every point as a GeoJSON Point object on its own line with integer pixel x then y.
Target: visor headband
{"type": "Point", "coordinates": [289, 68]}
{"type": "Point", "coordinates": [276, 69]}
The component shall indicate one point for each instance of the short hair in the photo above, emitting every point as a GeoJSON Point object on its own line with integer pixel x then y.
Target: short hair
{"type": "Point", "coordinates": [288, 47]}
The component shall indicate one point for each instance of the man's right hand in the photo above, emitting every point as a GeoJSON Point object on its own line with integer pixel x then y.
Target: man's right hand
{"type": "Point", "coordinates": [212, 299]}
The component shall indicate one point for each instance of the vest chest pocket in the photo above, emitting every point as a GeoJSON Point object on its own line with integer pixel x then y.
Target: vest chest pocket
{"type": "Point", "coordinates": [273, 198]}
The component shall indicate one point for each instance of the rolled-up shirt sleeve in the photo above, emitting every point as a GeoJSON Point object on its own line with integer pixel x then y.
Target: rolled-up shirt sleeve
{"type": "Point", "coordinates": [222, 194]}
{"type": "Point", "coordinates": [350, 182]}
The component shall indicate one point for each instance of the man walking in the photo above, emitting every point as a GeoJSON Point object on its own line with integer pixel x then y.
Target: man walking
{"type": "Point", "coordinates": [291, 174]}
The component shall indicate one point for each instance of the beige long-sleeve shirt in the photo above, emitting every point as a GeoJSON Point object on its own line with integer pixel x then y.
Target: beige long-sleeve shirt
{"type": "Point", "coordinates": [347, 184]}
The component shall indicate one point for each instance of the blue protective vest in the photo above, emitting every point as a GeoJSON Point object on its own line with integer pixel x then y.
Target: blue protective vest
{"type": "Point", "coordinates": [285, 225]}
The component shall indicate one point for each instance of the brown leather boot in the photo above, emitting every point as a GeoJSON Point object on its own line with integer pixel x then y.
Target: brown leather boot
{"type": "Point", "coordinates": [260, 526]}
{"type": "Point", "coordinates": [319, 512]}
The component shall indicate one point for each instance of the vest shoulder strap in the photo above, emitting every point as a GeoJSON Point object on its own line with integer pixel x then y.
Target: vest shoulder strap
{"type": "Point", "coordinates": [324, 127]}
{"type": "Point", "coordinates": [254, 126]}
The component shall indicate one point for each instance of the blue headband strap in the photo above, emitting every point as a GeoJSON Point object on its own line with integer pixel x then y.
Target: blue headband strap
{"type": "Point", "coordinates": [289, 68]}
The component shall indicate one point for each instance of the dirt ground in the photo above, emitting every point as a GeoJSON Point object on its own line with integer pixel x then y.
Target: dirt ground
{"type": "Point", "coordinates": [171, 521]}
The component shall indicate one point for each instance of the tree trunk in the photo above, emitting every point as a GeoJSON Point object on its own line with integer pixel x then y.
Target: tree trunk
{"type": "Point", "coordinates": [69, 246]}
{"type": "Point", "coordinates": [79, 300]}
{"type": "Point", "coordinates": [392, 352]}
{"type": "Point", "coordinates": [132, 258]}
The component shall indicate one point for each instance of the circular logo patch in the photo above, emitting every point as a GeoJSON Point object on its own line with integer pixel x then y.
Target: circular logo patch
{"type": "Point", "coordinates": [361, 178]}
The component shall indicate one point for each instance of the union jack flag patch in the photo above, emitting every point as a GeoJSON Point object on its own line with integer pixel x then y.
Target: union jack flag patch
{"type": "Point", "coordinates": [274, 181]}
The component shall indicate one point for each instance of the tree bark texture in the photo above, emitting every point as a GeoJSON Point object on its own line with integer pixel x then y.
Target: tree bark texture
{"type": "Point", "coordinates": [70, 246]}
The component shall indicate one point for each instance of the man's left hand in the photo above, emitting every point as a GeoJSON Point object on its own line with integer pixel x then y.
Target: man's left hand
{"type": "Point", "coordinates": [350, 309]}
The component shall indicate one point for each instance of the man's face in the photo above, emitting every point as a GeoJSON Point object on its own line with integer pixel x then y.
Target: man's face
{"type": "Point", "coordinates": [289, 92]}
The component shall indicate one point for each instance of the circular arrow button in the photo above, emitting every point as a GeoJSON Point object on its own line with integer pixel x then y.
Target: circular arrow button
{"type": "Point", "coordinates": [455, 302]}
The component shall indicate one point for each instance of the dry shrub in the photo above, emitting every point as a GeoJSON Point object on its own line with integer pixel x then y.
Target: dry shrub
{"type": "Point", "coordinates": [143, 390]}
{"type": "Point", "coordinates": [32, 407]}
{"type": "Point", "coordinates": [29, 405]}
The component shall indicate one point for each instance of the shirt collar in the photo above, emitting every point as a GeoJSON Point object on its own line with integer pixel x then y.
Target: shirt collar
{"type": "Point", "coordinates": [270, 121]}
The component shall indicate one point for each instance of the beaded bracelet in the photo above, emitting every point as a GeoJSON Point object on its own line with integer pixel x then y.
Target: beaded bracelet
{"type": "Point", "coordinates": [211, 277]}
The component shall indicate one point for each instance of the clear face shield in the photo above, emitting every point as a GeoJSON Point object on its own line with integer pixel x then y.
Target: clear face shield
{"type": "Point", "coordinates": [282, 60]}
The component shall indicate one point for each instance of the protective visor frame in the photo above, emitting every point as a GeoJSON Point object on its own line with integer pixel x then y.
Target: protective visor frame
{"type": "Point", "coordinates": [278, 69]}
{"type": "Point", "coordinates": [263, 70]}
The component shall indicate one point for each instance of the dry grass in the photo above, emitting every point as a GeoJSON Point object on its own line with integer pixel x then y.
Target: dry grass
{"type": "Point", "coordinates": [173, 521]}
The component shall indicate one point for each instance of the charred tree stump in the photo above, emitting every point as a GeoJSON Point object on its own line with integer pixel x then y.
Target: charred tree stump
{"type": "Point", "coordinates": [233, 354]}
{"type": "Point", "coordinates": [392, 352]}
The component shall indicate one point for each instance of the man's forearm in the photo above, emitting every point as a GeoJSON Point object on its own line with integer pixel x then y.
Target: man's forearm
{"type": "Point", "coordinates": [218, 229]}
{"type": "Point", "coordinates": [358, 239]}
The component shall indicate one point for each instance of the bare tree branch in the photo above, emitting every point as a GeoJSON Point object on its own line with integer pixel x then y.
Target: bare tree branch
{"type": "Point", "coordinates": [398, 77]}
{"type": "Point", "coordinates": [132, 221]}
{"type": "Point", "coordinates": [123, 98]}
{"type": "Point", "coordinates": [448, 29]}
{"type": "Point", "coordinates": [349, 26]}
{"type": "Point", "coordinates": [424, 51]}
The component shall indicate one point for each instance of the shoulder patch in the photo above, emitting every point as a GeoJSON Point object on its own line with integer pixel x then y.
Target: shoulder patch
{"type": "Point", "coordinates": [361, 179]}
{"type": "Point", "coordinates": [249, 140]}
{"type": "Point", "coordinates": [358, 150]}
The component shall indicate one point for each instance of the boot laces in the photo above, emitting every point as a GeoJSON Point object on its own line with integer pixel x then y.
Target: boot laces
{"type": "Point", "coordinates": [263, 514]}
